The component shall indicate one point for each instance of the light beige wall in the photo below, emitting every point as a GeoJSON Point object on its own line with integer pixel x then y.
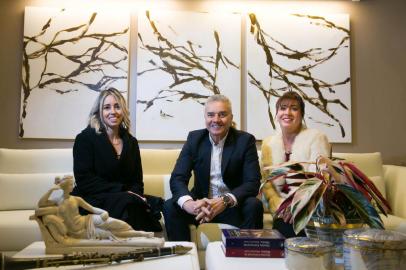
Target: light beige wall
{"type": "Point", "coordinates": [378, 68]}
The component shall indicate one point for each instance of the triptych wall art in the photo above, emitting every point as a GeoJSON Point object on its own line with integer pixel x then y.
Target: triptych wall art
{"type": "Point", "coordinates": [181, 59]}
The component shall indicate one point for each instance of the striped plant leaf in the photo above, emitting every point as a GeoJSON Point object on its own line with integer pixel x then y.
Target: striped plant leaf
{"type": "Point", "coordinates": [303, 217]}
{"type": "Point", "coordinates": [349, 176]}
{"type": "Point", "coordinates": [264, 200]}
{"type": "Point", "coordinates": [301, 175]}
{"type": "Point", "coordinates": [358, 183]}
{"type": "Point", "coordinates": [277, 172]}
{"type": "Point", "coordinates": [336, 212]}
{"type": "Point", "coordinates": [281, 165]}
{"type": "Point", "coordinates": [370, 188]}
{"type": "Point", "coordinates": [363, 206]}
{"type": "Point", "coordinates": [303, 194]}
{"type": "Point", "coordinates": [383, 205]}
{"type": "Point", "coordinates": [339, 174]}
{"type": "Point", "coordinates": [284, 169]}
{"type": "Point", "coordinates": [344, 204]}
{"type": "Point", "coordinates": [284, 207]}
{"type": "Point", "coordinates": [330, 168]}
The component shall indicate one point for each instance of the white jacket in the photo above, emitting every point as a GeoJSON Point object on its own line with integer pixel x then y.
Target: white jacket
{"type": "Point", "coordinates": [308, 145]}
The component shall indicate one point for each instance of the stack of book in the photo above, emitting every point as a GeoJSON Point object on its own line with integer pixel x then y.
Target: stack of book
{"type": "Point", "coordinates": [266, 243]}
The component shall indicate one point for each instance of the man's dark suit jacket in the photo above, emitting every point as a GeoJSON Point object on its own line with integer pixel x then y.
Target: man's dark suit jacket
{"type": "Point", "coordinates": [239, 166]}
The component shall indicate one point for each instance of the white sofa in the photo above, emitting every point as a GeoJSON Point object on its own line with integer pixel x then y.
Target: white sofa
{"type": "Point", "coordinates": [25, 175]}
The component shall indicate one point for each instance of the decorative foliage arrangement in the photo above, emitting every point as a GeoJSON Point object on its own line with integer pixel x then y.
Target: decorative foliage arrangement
{"type": "Point", "coordinates": [183, 58]}
{"type": "Point", "coordinates": [338, 189]}
{"type": "Point", "coordinates": [68, 57]}
{"type": "Point", "coordinates": [306, 54]}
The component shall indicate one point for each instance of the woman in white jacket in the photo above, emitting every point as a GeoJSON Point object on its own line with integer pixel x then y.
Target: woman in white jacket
{"type": "Point", "coordinates": [292, 142]}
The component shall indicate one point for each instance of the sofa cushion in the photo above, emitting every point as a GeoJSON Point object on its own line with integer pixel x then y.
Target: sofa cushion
{"type": "Point", "coordinates": [368, 163]}
{"type": "Point", "coordinates": [157, 185]}
{"type": "Point", "coordinates": [17, 231]}
{"type": "Point", "coordinates": [395, 177]}
{"type": "Point", "coordinates": [23, 191]}
{"type": "Point", "coordinates": [35, 160]}
{"type": "Point", "coordinates": [158, 161]}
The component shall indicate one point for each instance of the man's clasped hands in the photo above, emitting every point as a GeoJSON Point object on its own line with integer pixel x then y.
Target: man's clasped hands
{"type": "Point", "coordinates": [204, 209]}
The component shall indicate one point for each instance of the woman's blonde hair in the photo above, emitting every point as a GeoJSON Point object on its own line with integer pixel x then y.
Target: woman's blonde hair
{"type": "Point", "coordinates": [96, 113]}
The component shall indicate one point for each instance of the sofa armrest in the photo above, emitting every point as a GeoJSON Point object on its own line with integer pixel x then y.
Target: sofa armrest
{"type": "Point", "coordinates": [395, 184]}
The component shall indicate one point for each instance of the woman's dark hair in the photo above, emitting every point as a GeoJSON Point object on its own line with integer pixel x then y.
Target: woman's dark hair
{"type": "Point", "coordinates": [292, 96]}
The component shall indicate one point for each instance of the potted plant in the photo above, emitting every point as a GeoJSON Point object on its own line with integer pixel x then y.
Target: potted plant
{"type": "Point", "coordinates": [337, 192]}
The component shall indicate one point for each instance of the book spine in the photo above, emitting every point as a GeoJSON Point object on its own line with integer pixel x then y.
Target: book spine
{"type": "Point", "coordinates": [254, 243]}
{"type": "Point", "coordinates": [254, 253]}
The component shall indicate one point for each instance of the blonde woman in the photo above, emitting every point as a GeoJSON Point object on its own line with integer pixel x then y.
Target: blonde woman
{"type": "Point", "coordinates": [107, 165]}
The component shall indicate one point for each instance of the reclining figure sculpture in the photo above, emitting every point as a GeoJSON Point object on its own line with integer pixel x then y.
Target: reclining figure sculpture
{"type": "Point", "coordinates": [64, 230]}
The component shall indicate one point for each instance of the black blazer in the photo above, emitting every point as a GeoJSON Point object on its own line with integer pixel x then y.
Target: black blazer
{"type": "Point", "coordinates": [98, 171]}
{"type": "Point", "coordinates": [239, 165]}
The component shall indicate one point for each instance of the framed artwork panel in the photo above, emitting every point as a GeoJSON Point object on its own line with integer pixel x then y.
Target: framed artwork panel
{"type": "Point", "coordinates": [182, 59]}
{"type": "Point", "coordinates": [69, 56]}
{"type": "Point", "coordinates": [305, 53]}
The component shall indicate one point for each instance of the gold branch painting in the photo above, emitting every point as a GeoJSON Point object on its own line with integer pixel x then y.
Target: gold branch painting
{"type": "Point", "coordinates": [304, 53]}
{"type": "Point", "coordinates": [183, 58]}
{"type": "Point", "coordinates": [68, 57]}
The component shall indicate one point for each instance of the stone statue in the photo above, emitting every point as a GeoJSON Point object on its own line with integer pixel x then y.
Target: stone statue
{"type": "Point", "coordinates": [65, 230]}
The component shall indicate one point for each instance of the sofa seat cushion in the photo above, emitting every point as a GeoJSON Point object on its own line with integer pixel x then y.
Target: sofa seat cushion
{"type": "Point", "coordinates": [157, 185]}
{"type": "Point", "coordinates": [28, 188]}
{"type": "Point", "coordinates": [208, 232]}
{"type": "Point", "coordinates": [17, 231]}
